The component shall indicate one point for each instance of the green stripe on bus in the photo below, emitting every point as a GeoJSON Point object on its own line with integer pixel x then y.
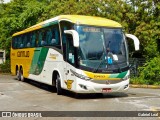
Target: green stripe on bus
{"type": "Point", "coordinates": [38, 60]}
{"type": "Point", "coordinates": [122, 75]}
{"type": "Point", "coordinates": [118, 75]}
{"type": "Point", "coordinates": [49, 24]}
{"type": "Point", "coordinates": [113, 75]}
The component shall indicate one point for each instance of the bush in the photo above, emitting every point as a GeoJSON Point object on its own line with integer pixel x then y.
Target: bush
{"type": "Point", "coordinates": [5, 67]}
{"type": "Point", "coordinates": [150, 72]}
{"type": "Point", "coordinates": [137, 80]}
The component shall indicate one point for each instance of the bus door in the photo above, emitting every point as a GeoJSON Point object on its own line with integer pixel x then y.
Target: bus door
{"type": "Point", "coordinates": [68, 54]}
{"type": "Point", "coordinates": [70, 58]}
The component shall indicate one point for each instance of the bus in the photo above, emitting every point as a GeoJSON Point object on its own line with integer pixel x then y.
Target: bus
{"type": "Point", "coordinates": [82, 54]}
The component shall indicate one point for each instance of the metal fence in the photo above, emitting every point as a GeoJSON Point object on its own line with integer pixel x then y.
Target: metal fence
{"type": "Point", "coordinates": [136, 63]}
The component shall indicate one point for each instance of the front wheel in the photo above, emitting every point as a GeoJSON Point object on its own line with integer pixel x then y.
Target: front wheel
{"type": "Point", "coordinates": [58, 86]}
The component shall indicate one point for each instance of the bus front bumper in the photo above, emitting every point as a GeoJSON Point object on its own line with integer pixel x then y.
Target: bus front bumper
{"type": "Point", "coordinates": [91, 87]}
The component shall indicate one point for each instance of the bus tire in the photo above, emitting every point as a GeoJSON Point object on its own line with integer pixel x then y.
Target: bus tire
{"type": "Point", "coordinates": [21, 77]}
{"type": "Point", "coordinates": [18, 75]}
{"type": "Point", "coordinates": [58, 86]}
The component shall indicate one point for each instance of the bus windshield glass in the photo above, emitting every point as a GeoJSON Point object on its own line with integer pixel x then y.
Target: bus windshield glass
{"type": "Point", "coordinates": [102, 48]}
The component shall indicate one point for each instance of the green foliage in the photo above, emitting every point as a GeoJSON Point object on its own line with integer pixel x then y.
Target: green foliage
{"type": "Point", "coordinates": [137, 17]}
{"type": "Point", "coordinates": [151, 71]}
{"type": "Point", "coordinates": [5, 67]}
{"type": "Point", "coordinates": [137, 80]}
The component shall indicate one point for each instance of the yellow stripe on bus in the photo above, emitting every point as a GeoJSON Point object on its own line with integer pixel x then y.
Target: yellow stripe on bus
{"type": "Point", "coordinates": [98, 76]}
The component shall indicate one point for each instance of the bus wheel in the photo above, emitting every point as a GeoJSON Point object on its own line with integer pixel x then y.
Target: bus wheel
{"type": "Point", "coordinates": [58, 86]}
{"type": "Point", "coordinates": [18, 75]}
{"type": "Point", "coordinates": [21, 75]}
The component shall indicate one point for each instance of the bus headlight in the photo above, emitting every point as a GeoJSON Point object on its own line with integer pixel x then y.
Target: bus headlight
{"type": "Point", "coordinates": [80, 76]}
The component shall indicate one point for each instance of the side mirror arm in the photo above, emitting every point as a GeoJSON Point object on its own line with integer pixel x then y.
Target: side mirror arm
{"type": "Point", "coordinates": [75, 37]}
{"type": "Point", "coordinates": [135, 39]}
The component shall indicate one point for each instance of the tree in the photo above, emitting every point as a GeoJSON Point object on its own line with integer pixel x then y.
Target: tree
{"type": "Point", "coordinates": [137, 17]}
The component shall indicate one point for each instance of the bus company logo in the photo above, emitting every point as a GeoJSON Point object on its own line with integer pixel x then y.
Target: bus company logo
{"type": "Point", "coordinates": [53, 56]}
{"type": "Point", "coordinates": [99, 76]}
{"type": "Point", "coordinates": [23, 54]}
{"type": "Point", "coordinates": [69, 84]}
{"type": "Point", "coordinates": [13, 54]}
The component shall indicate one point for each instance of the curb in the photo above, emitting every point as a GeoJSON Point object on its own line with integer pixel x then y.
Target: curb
{"type": "Point", "coordinates": [5, 73]}
{"type": "Point", "coordinates": [145, 86]}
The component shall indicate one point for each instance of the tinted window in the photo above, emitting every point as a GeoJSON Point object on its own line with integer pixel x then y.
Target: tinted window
{"type": "Point", "coordinates": [65, 26]}
{"type": "Point", "coordinates": [48, 36]}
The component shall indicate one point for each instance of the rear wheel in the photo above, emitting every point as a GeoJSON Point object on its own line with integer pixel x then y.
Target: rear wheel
{"type": "Point", "coordinates": [58, 85]}
{"type": "Point", "coordinates": [18, 75]}
{"type": "Point", "coordinates": [21, 75]}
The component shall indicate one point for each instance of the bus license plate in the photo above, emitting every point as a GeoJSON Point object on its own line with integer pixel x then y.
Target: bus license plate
{"type": "Point", "coordinates": [106, 90]}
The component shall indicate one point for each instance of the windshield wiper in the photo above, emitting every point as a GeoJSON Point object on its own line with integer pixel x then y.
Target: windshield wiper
{"type": "Point", "coordinates": [95, 70]}
{"type": "Point", "coordinates": [119, 68]}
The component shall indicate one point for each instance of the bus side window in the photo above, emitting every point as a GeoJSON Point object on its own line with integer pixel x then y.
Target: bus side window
{"type": "Point", "coordinates": [39, 38]}
{"type": "Point", "coordinates": [54, 40]}
{"type": "Point", "coordinates": [20, 44]}
{"type": "Point", "coordinates": [14, 42]}
{"type": "Point", "coordinates": [28, 40]}
{"type": "Point", "coordinates": [42, 38]}
{"type": "Point", "coordinates": [49, 36]}
{"type": "Point", "coordinates": [24, 39]}
{"type": "Point", "coordinates": [57, 37]}
{"type": "Point", "coordinates": [33, 39]}
{"type": "Point", "coordinates": [53, 36]}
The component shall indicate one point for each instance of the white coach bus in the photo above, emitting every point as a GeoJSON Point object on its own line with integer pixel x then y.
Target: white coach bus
{"type": "Point", "coordinates": [83, 54]}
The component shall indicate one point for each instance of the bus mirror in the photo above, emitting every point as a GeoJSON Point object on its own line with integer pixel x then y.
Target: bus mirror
{"type": "Point", "coordinates": [135, 39]}
{"type": "Point", "coordinates": [75, 37]}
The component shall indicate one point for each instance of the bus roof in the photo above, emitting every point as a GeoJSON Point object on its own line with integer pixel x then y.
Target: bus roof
{"type": "Point", "coordinates": [77, 19]}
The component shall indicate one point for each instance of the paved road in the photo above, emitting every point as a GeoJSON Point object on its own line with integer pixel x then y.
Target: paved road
{"type": "Point", "coordinates": [31, 96]}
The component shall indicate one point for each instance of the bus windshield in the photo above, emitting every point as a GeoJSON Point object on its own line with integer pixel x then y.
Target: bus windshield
{"type": "Point", "coordinates": [102, 48]}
